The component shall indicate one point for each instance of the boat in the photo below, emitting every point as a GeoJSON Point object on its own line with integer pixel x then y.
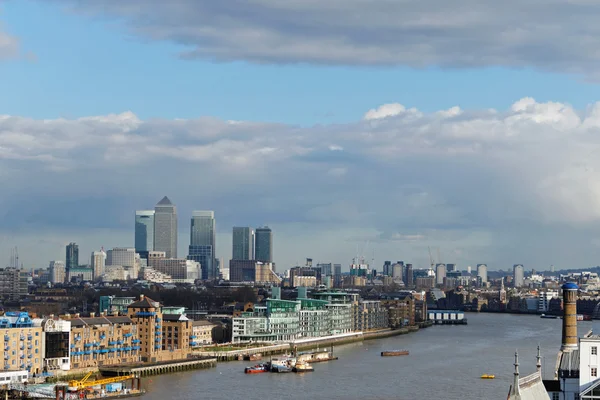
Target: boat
{"type": "Point", "coordinates": [486, 376]}
{"type": "Point", "coordinates": [257, 369]}
{"type": "Point", "coordinates": [548, 316]}
{"type": "Point", "coordinates": [302, 366]}
{"type": "Point", "coordinates": [393, 353]}
{"type": "Point", "coordinates": [281, 368]}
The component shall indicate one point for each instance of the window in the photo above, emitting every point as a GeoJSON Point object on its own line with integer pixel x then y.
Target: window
{"type": "Point", "coordinates": [594, 350]}
{"type": "Point", "coordinates": [594, 371]}
{"type": "Point", "coordinates": [555, 396]}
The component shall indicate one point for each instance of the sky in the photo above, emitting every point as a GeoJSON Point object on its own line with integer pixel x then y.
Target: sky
{"type": "Point", "coordinates": [380, 128]}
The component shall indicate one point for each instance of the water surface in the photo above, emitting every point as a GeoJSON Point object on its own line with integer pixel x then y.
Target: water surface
{"type": "Point", "coordinates": [445, 362]}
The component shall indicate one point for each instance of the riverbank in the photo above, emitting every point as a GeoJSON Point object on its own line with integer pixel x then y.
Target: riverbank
{"type": "Point", "coordinates": [310, 344]}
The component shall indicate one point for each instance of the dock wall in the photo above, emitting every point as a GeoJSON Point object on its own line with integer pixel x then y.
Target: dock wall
{"type": "Point", "coordinates": [160, 368]}
{"type": "Point", "coordinates": [310, 344]}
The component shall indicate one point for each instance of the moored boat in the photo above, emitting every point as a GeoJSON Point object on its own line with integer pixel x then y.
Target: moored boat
{"type": "Point", "coordinates": [392, 353]}
{"type": "Point", "coordinates": [487, 376]}
{"type": "Point", "coordinates": [303, 367]}
{"type": "Point", "coordinates": [317, 356]}
{"type": "Point", "coordinates": [257, 369]}
{"type": "Point", "coordinates": [281, 368]}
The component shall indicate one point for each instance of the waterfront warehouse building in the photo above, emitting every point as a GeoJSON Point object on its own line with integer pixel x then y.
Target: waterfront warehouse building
{"type": "Point", "coordinates": [22, 341]}
{"type": "Point", "coordinates": [165, 336]}
{"type": "Point", "coordinates": [97, 341]}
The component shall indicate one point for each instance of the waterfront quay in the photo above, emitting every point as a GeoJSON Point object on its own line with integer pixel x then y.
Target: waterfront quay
{"type": "Point", "coordinates": [159, 368]}
{"type": "Point", "coordinates": [268, 349]}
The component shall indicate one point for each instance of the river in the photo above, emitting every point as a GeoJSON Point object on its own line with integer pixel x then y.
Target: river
{"type": "Point", "coordinates": [445, 362]}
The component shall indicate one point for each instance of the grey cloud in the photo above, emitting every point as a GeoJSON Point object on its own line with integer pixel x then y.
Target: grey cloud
{"type": "Point", "coordinates": [440, 177]}
{"type": "Point", "coordinates": [548, 34]}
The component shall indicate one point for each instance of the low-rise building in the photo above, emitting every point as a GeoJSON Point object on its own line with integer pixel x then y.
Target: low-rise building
{"type": "Point", "coordinates": [56, 339]}
{"type": "Point", "coordinates": [202, 333]}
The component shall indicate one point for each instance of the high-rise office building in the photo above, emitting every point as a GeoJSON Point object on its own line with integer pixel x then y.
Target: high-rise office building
{"type": "Point", "coordinates": [450, 267]}
{"type": "Point", "coordinates": [98, 262]}
{"type": "Point", "coordinates": [203, 242]}
{"type": "Point", "coordinates": [482, 272]}
{"type": "Point", "coordinates": [263, 244]}
{"type": "Point", "coordinates": [243, 243]}
{"type": "Point", "coordinates": [144, 232]}
{"type": "Point", "coordinates": [518, 275]}
{"type": "Point", "coordinates": [165, 227]}
{"type": "Point", "coordinates": [72, 256]}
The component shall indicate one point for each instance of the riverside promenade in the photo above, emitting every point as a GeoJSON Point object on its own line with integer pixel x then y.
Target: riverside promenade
{"type": "Point", "coordinates": [267, 349]}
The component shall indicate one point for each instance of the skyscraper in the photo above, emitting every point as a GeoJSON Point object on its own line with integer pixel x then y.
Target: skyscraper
{"type": "Point", "coordinates": [165, 227]}
{"type": "Point", "coordinates": [144, 232]}
{"type": "Point", "coordinates": [243, 243]}
{"type": "Point", "coordinates": [72, 258]}
{"type": "Point", "coordinates": [518, 275]}
{"type": "Point", "coordinates": [203, 242]}
{"type": "Point", "coordinates": [263, 247]}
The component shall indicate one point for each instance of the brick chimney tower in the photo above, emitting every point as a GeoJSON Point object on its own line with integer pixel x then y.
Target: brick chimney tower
{"type": "Point", "coordinates": [569, 329]}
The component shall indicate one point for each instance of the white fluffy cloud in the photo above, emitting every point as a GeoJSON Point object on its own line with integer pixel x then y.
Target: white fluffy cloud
{"type": "Point", "coordinates": [9, 45]}
{"type": "Point", "coordinates": [549, 34]}
{"type": "Point", "coordinates": [484, 185]}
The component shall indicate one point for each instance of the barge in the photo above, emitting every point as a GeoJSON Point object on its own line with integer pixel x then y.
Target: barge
{"type": "Point", "coordinates": [394, 353]}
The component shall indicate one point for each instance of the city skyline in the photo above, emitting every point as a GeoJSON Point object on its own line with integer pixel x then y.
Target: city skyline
{"type": "Point", "coordinates": [336, 139]}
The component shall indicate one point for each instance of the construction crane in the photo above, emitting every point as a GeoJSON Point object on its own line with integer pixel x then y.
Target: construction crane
{"type": "Point", "coordinates": [84, 383]}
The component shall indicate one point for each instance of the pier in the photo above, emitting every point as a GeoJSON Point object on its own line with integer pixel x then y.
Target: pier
{"type": "Point", "coordinates": [159, 368]}
{"type": "Point", "coordinates": [447, 317]}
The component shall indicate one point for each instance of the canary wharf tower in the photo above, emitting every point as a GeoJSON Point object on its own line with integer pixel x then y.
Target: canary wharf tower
{"type": "Point", "coordinates": [165, 227]}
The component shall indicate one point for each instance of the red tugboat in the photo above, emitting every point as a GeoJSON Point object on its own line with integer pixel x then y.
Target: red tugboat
{"type": "Point", "coordinates": [257, 369]}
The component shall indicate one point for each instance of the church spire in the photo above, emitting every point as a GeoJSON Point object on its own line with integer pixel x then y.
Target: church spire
{"type": "Point", "coordinates": [515, 392]}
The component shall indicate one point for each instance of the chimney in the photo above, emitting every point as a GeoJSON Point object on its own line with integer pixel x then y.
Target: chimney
{"type": "Point", "coordinates": [76, 315]}
{"type": "Point", "coordinates": [92, 314]}
{"type": "Point", "coordinates": [569, 328]}
{"type": "Point", "coordinates": [141, 297]}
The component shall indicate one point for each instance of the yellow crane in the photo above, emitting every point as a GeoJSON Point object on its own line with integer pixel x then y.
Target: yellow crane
{"type": "Point", "coordinates": [84, 383]}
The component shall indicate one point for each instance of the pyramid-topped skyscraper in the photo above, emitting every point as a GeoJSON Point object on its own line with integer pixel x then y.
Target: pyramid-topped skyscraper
{"type": "Point", "coordinates": [165, 227]}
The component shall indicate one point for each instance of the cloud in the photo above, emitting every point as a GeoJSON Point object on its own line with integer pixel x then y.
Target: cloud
{"type": "Point", "coordinates": [9, 45]}
{"type": "Point", "coordinates": [547, 34]}
{"type": "Point", "coordinates": [489, 186]}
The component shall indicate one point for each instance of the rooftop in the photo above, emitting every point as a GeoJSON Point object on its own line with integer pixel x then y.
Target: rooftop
{"type": "Point", "coordinates": [164, 202]}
